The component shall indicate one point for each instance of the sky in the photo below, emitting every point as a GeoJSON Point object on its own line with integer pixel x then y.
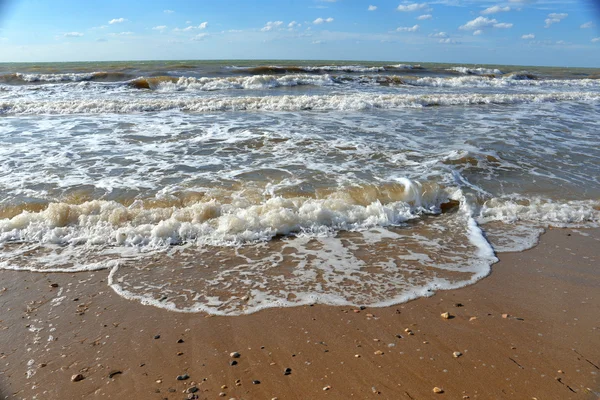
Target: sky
{"type": "Point", "coordinates": [516, 32]}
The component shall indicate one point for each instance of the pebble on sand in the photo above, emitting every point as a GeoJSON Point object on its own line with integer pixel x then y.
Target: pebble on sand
{"type": "Point", "coordinates": [456, 354]}
{"type": "Point", "coordinates": [378, 353]}
{"type": "Point", "coordinates": [235, 354]}
{"type": "Point", "coordinates": [438, 390]}
{"type": "Point", "coordinates": [445, 315]}
{"type": "Point", "coordinates": [327, 387]}
{"type": "Point", "coordinates": [287, 371]}
{"type": "Point", "coordinates": [472, 319]}
{"type": "Point", "coordinates": [77, 378]}
{"type": "Point", "coordinates": [504, 315]}
{"type": "Point", "coordinates": [183, 377]}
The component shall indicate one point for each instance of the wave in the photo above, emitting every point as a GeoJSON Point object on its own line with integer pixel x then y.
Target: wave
{"type": "Point", "coordinates": [167, 83]}
{"type": "Point", "coordinates": [214, 222]}
{"type": "Point", "coordinates": [510, 80]}
{"type": "Point", "coordinates": [100, 76]}
{"type": "Point", "coordinates": [275, 69]}
{"type": "Point", "coordinates": [475, 71]}
{"type": "Point", "coordinates": [350, 102]}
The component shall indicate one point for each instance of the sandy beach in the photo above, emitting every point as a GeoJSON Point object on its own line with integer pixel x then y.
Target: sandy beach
{"type": "Point", "coordinates": [531, 330]}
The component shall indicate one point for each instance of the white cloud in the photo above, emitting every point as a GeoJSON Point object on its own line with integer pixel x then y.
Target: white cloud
{"type": "Point", "coordinates": [292, 24]}
{"type": "Point", "coordinates": [596, 40]}
{"type": "Point", "coordinates": [168, 11]}
{"type": "Point", "coordinates": [270, 25]}
{"type": "Point", "coordinates": [318, 42]}
{"type": "Point", "coordinates": [481, 23]}
{"type": "Point", "coordinates": [73, 34]}
{"type": "Point", "coordinates": [424, 17]}
{"type": "Point", "coordinates": [411, 7]}
{"type": "Point", "coordinates": [160, 28]}
{"type": "Point", "coordinates": [117, 21]}
{"type": "Point", "coordinates": [121, 34]}
{"type": "Point", "coordinates": [191, 27]}
{"type": "Point", "coordinates": [554, 18]}
{"type": "Point", "coordinates": [200, 36]}
{"type": "Point", "coordinates": [495, 9]}
{"type": "Point", "coordinates": [372, 8]}
{"type": "Point", "coordinates": [477, 32]}
{"type": "Point", "coordinates": [528, 36]}
{"type": "Point", "coordinates": [319, 20]}
{"type": "Point", "coordinates": [408, 29]}
{"type": "Point", "coordinates": [587, 25]}
{"type": "Point", "coordinates": [448, 41]}
{"type": "Point", "coordinates": [561, 42]}
{"type": "Point", "coordinates": [439, 35]}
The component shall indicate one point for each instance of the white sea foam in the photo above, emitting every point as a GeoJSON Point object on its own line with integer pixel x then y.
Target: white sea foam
{"type": "Point", "coordinates": [476, 71]}
{"type": "Point", "coordinates": [507, 81]}
{"type": "Point", "coordinates": [67, 77]}
{"type": "Point", "coordinates": [246, 82]}
{"type": "Point", "coordinates": [351, 102]}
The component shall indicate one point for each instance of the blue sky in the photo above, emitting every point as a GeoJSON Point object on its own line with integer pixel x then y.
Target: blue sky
{"type": "Point", "coordinates": [524, 32]}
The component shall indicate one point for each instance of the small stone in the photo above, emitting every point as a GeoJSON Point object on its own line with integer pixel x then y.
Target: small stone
{"type": "Point", "coordinates": [235, 354]}
{"type": "Point", "coordinates": [256, 382]}
{"type": "Point", "coordinates": [54, 285]}
{"type": "Point", "coordinates": [370, 315]}
{"type": "Point", "coordinates": [232, 363]}
{"type": "Point", "coordinates": [356, 311]}
{"type": "Point", "coordinates": [399, 336]}
{"type": "Point", "coordinates": [472, 319]}
{"type": "Point", "coordinates": [456, 354]}
{"type": "Point", "coordinates": [222, 394]}
{"type": "Point", "coordinates": [425, 342]}
{"type": "Point", "coordinates": [362, 307]}
{"type": "Point", "coordinates": [438, 390]}
{"type": "Point", "coordinates": [378, 353]}
{"type": "Point", "coordinates": [156, 336]}
{"type": "Point", "coordinates": [180, 353]}
{"type": "Point", "coordinates": [357, 355]}
{"type": "Point", "coordinates": [180, 341]}
{"type": "Point", "coordinates": [407, 330]}
{"type": "Point", "coordinates": [458, 305]}
{"type": "Point", "coordinates": [77, 378]}
{"type": "Point", "coordinates": [445, 315]}
{"type": "Point", "coordinates": [505, 316]}
{"type": "Point", "coordinates": [224, 387]}
{"type": "Point", "coordinates": [560, 371]}
{"type": "Point", "coordinates": [159, 381]}
{"type": "Point", "coordinates": [327, 387]}
{"type": "Point", "coordinates": [287, 371]}
{"type": "Point", "coordinates": [376, 340]}
{"type": "Point", "coordinates": [42, 365]}
{"type": "Point", "coordinates": [192, 389]}
{"type": "Point", "coordinates": [183, 377]}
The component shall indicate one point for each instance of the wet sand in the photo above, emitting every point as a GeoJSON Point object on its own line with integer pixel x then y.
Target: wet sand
{"type": "Point", "coordinates": [529, 330]}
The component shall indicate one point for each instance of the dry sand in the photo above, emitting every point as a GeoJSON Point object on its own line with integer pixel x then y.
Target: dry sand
{"type": "Point", "coordinates": [529, 330]}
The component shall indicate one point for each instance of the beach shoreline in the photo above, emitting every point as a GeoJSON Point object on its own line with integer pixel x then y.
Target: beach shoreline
{"type": "Point", "coordinates": [526, 331]}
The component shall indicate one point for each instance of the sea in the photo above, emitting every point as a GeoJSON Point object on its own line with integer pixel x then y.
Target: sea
{"type": "Point", "coordinates": [227, 187]}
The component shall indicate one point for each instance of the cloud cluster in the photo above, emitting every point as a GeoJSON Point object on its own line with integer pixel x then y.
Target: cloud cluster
{"type": "Point", "coordinates": [411, 7]}
{"type": "Point", "coordinates": [424, 17]}
{"type": "Point", "coordinates": [319, 21]}
{"type": "Point", "coordinates": [117, 21]}
{"type": "Point", "coordinates": [495, 9]}
{"type": "Point", "coordinates": [413, 28]}
{"type": "Point", "coordinates": [480, 23]}
{"type": "Point", "coordinates": [528, 36]}
{"type": "Point", "coordinates": [554, 18]}
{"type": "Point", "coordinates": [372, 8]}
{"type": "Point", "coordinates": [73, 34]}
{"type": "Point", "coordinates": [271, 25]}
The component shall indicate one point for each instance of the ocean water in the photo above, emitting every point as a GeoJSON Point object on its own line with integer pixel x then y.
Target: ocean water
{"type": "Point", "coordinates": [228, 187]}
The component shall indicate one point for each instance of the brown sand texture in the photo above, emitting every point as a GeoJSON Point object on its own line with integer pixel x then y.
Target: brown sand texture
{"type": "Point", "coordinates": [531, 330]}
